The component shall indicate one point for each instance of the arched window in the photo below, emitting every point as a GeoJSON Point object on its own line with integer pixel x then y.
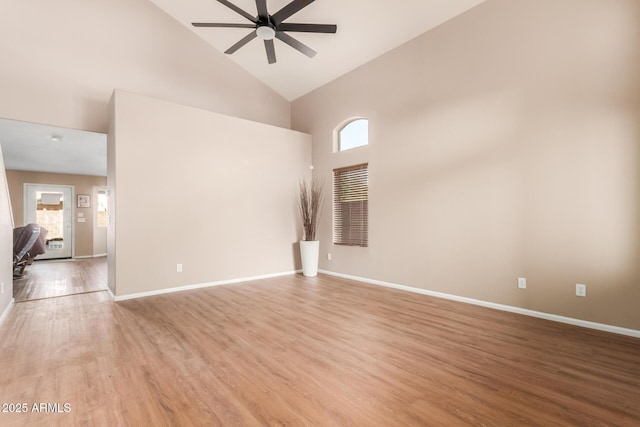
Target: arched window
{"type": "Point", "coordinates": [353, 134]}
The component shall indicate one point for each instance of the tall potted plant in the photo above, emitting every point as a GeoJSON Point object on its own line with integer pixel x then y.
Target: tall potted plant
{"type": "Point", "coordinates": [310, 205]}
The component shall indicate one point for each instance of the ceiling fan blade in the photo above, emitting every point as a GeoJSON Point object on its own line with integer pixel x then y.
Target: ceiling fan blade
{"type": "Point", "coordinates": [308, 28]}
{"type": "Point", "coordinates": [238, 10]}
{"type": "Point", "coordinates": [245, 40]}
{"type": "Point", "coordinates": [261, 5]}
{"type": "Point", "coordinates": [223, 25]}
{"type": "Point", "coordinates": [271, 51]}
{"type": "Point", "coordinates": [289, 10]}
{"type": "Point", "coordinates": [296, 44]}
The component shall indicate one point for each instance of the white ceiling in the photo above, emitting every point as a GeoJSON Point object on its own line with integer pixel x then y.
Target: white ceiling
{"type": "Point", "coordinates": [366, 29]}
{"type": "Point", "coordinates": [29, 146]}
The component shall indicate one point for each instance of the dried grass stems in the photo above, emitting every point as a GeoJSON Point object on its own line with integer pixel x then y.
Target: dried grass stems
{"type": "Point", "coordinates": [310, 205]}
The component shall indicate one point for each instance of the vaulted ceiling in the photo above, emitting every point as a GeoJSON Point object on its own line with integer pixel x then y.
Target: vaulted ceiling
{"type": "Point", "coordinates": [366, 29]}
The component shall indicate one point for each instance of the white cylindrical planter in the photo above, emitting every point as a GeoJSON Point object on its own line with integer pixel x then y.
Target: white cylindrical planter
{"type": "Point", "coordinates": [309, 251]}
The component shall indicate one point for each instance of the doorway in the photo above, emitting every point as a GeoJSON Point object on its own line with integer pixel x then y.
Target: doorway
{"type": "Point", "coordinates": [50, 206]}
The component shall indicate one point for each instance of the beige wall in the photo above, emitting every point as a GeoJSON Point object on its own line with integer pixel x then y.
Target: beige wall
{"type": "Point", "coordinates": [503, 143]}
{"type": "Point", "coordinates": [83, 231]}
{"type": "Point", "coordinates": [61, 61]}
{"type": "Point", "coordinates": [212, 192]}
{"type": "Point", "coordinates": [6, 243]}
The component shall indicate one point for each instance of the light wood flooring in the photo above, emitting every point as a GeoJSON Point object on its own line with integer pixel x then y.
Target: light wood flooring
{"type": "Point", "coordinates": [54, 278]}
{"type": "Point", "coordinates": [301, 351]}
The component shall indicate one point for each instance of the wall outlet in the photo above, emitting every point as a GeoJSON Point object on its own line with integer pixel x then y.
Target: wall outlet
{"type": "Point", "coordinates": [179, 268]}
{"type": "Point", "coordinates": [2, 287]}
{"type": "Point", "coordinates": [522, 283]}
{"type": "Point", "coordinates": [329, 256]}
{"type": "Point", "coordinates": [581, 290]}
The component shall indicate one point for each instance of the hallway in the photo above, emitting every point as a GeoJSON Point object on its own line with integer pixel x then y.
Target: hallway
{"type": "Point", "coordinates": [55, 278]}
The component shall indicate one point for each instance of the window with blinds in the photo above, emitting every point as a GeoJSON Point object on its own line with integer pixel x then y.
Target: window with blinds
{"type": "Point", "coordinates": [351, 205]}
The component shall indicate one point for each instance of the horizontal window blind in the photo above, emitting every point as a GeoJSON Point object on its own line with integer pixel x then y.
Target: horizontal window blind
{"type": "Point", "coordinates": [351, 205]}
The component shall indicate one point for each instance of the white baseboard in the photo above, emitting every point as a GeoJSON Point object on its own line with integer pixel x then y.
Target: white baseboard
{"type": "Point", "coordinates": [198, 286]}
{"type": "Point", "coordinates": [110, 292]}
{"type": "Point", "coordinates": [512, 309]}
{"type": "Point", "coordinates": [89, 256]}
{"type": "Point", "coordinates": [7, 310]}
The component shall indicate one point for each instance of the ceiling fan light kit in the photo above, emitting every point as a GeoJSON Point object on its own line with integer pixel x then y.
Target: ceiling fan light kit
{"type": "Point", "coordinates": [267, 27]}
{"type": "Point", "coordinates": [265, 32]}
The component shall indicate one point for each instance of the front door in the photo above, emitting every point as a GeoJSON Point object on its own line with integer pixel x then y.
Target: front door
{"type": "Point", "coordinates": [50, 206]}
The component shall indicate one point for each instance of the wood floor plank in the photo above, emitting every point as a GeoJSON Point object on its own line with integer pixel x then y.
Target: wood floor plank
{"type": "Point", "coordinates": [54, 278]}
{"type": "Point", "coordinates": [309, 351]}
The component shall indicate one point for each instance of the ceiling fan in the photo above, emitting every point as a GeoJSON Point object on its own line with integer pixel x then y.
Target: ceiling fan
{"type": "Point", "coordinates": [267, 27]}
